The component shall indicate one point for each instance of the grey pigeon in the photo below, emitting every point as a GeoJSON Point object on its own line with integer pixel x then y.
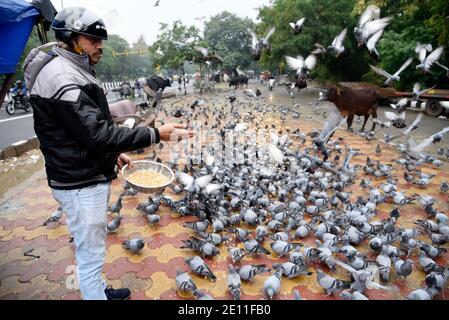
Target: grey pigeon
{"type": "Point", "coordinates": [282, 247]}
{"type": "Point", "coordinates": [253, 247]}
{"type": "Point", "coordinates": [291, 270]}
{"type": "Point", "coordinates": [133, 245]}
{"type": "Point", "coordinates": [346, 295]}
{"type": "Point", "coordinates": [54, 217]}
{"type": "Point", "coordinates": [272, 284]}
{"type": "Point", "coordinates": [200, 226]}
{"type": "Point", "coordinates": [114, 224]}
{"type": "Point", "coordinates": [184, 282]}
{"type": "Point", "coordinates": [330, 284]}
{"type": "Point", "coordinates": [198, 266]}
{"type": "Point", "coordinates": [234, 283]}
{"type": "Point", "coordinates": [403, 268]}
{"type": "Point", "coordinates": [248, 272]}
{"type": "Point", "coordinates": [236, 254]}
{"type": "Point", "coordinates": [423, 294]}
{"type": "Point", "coordinates": [117, 206]}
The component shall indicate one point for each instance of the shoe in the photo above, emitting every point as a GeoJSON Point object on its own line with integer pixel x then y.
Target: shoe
{"type": "Point", "coordinates": [117, 294]}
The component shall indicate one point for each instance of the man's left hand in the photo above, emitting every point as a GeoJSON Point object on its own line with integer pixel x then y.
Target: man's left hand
{"type": "Point", "coordinates": [123, 160]}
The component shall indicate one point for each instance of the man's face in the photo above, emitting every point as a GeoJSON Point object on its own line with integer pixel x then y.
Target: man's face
{"type": "Point", "coordinates": [93, 47]}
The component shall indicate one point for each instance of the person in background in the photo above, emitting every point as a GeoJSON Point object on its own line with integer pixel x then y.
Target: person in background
{"type": "Point", "coordinates": [79, 140]}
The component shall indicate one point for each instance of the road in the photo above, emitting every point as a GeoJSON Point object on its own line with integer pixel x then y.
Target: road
{"type": "Point", "coordinates": [20, 126]}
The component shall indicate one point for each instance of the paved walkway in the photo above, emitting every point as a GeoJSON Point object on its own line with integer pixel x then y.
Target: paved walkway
{"type": "Point", "coordinates": [151, 274]}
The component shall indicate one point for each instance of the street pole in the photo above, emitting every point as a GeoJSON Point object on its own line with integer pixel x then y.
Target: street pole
{"type": "Point", "coordinates": [184, 78]}
{"type": "Point", "coordinates": [62, 4]}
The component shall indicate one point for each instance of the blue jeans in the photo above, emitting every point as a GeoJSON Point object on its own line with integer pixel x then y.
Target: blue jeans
{"type": "Point", "coordinates": [86, 219]}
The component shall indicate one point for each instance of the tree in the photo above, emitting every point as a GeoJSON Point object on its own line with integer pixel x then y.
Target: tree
{"type": "Point", "coordinates": [227, 35]}
{"type": "Point", "coordinates": [324, 20]}
{"type": "Point", "coordinates": [174, 46]}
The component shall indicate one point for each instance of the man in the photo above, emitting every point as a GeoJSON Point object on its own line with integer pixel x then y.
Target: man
{"type": "Point", "coordinates": [19, 91]}
{"type": "Point", "coordinates": [79, 141]}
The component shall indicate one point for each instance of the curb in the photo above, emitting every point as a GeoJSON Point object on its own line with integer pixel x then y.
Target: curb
{"type": "Point", "coordinates": [19, 148]}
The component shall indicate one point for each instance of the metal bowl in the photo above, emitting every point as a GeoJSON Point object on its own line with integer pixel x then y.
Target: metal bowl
{"type": "Point", "coordinates": [148, 165]}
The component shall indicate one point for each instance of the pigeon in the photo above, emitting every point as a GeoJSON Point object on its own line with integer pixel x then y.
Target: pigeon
{"type": "Point", "coordinates": [198, 266]}
{"type": "Point", "coordinates": [248, 272]}
{"type": "Point", "coordinates": [319, 49]}
{"type": "Point", "coordinates": [258, 45]}
{"type": "Point", "coordinates": [114, 224]}
{"type": "Point", "coordinates": [54, 217]}
{"type": "Point", "coordinates": [398, 121]}
{"type": "Point", "coordinates": [302, 67]}
{"type": "Point", "coordinates": [330, 284]}
{"type": "Point", "coordinates": [283, 247]}
{"type": "Point", "coordinates": [156, 4]}
{"type": "Point", "coordinates": [417, 92]}
{"type": "Point", "coordinates": [400, 106]}
{"type": "Point", "coordinates": [184, 282]}
{"type": "Point", "coordinates": [346, 295]}
{"type": "Point", "coordinates": [298, 26]}
{"type": "Point", "coordinates": [272, 284]}
{"type": "Point", "coordinates": [337, 44]}
{"type": "Point", "coordinates": [395, 76]}
{"type": "Point", "coordinates": [253, 247]}
{"type": "Point", "coordinates": [291, 270]}
{"type": "Point", "coordinates": [199, 226]}
{"type": "Point", "coordinates": [432, 58]}
{"type": "Point", "coordinates": [195, 185]}
{"type": "Point", "coordinates": [116, 207]}
{"type": "Point", "coordinates": [133, 245]}
{"type": "Point", "coordinates": [370, 24]}
{"type": "Point", "coordinates": [203, 296]}
{"type": "Point", "coordinates": [234, 283]}
{"type": "Point", "coordinates": [403, 268]}
{"type": "Point", "coordinates": [437, 279]}
{"type": "Point", "coordinates": [423, 294]}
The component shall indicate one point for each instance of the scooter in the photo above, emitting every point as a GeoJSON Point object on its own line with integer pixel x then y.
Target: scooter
{"type": "Point", "coordinates": [18, 103]}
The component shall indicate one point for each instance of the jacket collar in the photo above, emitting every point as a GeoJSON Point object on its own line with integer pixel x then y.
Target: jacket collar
{"type": "Point", "coordinates": [81, 61]}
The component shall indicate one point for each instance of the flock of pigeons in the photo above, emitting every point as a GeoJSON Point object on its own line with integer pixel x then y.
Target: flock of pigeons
{"type": "Point", "coordinates": [282, 201]}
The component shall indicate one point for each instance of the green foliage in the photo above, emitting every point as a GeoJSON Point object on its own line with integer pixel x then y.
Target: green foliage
{"type": "Point", "coordinates": [227, 35]}
{"type": "Point", "coordinates": [413, 21]}
{"type": "Point", "coordinates": [174, 45]}
{"type": "Point", "coordinates": [121, 67]}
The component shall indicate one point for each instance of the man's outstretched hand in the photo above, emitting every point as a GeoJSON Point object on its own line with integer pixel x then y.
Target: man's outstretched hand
{"type": "Point", "coordinates": [174, 132]}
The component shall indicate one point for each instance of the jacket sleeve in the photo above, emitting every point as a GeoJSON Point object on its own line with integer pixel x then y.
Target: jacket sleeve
{"type": "Point", "coordinates": [93, 129]}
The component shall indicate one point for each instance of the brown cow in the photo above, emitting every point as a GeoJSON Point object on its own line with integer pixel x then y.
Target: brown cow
{"type": "Point", "coordinates": [352, 101]}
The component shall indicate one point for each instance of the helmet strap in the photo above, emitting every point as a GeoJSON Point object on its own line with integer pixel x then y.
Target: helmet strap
{"type": "Point", "coordinates": [77, 48]}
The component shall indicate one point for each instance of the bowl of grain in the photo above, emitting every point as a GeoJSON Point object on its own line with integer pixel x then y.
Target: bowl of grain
{"type": "Point", "coordinates": [148, 176]}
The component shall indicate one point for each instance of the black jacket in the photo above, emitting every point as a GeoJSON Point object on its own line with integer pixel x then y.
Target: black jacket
{"type": "Point", "coordinates": [77, 135]}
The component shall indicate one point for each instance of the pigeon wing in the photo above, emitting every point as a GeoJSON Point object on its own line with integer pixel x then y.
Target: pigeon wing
{"type": "Point", "coordinates": [370, 13]}
{"type": "Point", "coordinates": [340, 38]}
{"type": "Point", "coordinates": [185, 179]}
{"type": "Point", "coordinates": [371, 43]}
{"type": "Point", "coordinates": [433, 57]}
{"type": "Point", "coordinates": [404, 66]}
{"type": "Point", "coordinates": [420, 147]}
{"type": "Point", "coordinates": [269, 34]}
{"type": "Point", "coordinates": [254, 39]}
{"type": "Point", "coordinates": [380, 72]}
{"type": "Point", "coordinates": [204, 180]}
{"type": "Point", "coordinates": [300, 22]}
{"type": "Point", "coordinates": [295, 63]}
{"type": "Point", "coordinates": [310, 62]}
{"type": "Point", "coordinates": [374, 26]}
